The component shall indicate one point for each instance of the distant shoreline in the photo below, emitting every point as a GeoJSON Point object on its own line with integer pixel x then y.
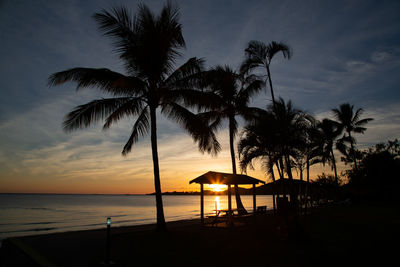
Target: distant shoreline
{"type": "Point", "coordinates": [75, 194]}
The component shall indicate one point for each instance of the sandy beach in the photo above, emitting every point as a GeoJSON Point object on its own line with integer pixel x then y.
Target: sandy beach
{"type": "Point", "coordinates": [344, 235]}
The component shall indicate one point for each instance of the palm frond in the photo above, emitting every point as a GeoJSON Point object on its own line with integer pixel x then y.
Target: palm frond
{"type": "Point", "coordinates": [160, 42]}
{"type": "Point", "coordinates": [212, 118]}
{"type": "Point", "coordinates": [189, 75]}
{"type": "Point", "coordinates": [256, 55]}
{"type": "Point", "coordinates": [363, 122]}
{"type": "Point", "coordinates": [195, 126]}
{"type": "Point", "coordinates": [131, 108]}
{"type": "Point", "coordinates": [247, 159]}
{"type": "Point", "coordinates": [140, 128]}
{"type": "Point", "coordinates": [193, 99]}
{"type": "Point", "coordinates": [119, 24]}
{"type": "Point", "coordinates": [85, 115]}
{"type": "Point", "coordinates": [249, 91]}
{"type": "Point", "coordinates": [274, 47]}
{"type": "Point", "coordinates": [104, 79]}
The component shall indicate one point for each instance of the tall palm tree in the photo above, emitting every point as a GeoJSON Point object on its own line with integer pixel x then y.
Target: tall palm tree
{"type": "Point", "coordinates": [330, 130]}
{"type": "Point", "coordinates": [232, 93]}
{"type": "Point", "coordinates": [259, 54]}
{"type": "Point", "coordinates": [148, 45]}
{"type": "Point", "coordinates": [350, 122]}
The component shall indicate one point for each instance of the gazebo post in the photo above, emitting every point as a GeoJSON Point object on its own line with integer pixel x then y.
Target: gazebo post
{"type": "Point", "coordinates": [254, 199]}
{"type": "Point", "coordinates": [230, 220]}
{"type": "Point", "coordinates": [229, 199]}
{"type": "Point", "coordinates": [202, 203]}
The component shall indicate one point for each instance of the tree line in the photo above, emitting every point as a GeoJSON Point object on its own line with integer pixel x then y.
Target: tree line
{"type": "Point", "coordinates": [281, 136]}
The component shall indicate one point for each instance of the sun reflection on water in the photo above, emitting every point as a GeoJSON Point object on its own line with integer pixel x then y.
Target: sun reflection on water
{"type": "Point", "coordinates": [217, 204]}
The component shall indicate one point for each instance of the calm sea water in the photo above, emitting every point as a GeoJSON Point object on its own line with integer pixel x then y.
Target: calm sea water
{"type": "Point", "coordinates": [29, 214]}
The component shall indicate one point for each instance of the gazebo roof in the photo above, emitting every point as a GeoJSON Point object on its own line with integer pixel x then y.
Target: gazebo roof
{"type": "Point", "coordinates": [224, 178]}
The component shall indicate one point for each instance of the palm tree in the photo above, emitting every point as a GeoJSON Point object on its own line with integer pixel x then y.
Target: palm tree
{"type": "Point", "coordinates": [329, 130]}
{"type": "Point", "coordinates": [232, 93]}
{"type": "Point", "coordinates": [259, 54]}
{"type": "Point", "coordinates": [291, 123]}
{"type": "Point", "coordinates": [307, 151]}
{"type": "Point", "coordinates": [148, 45]}
{"type": "Point", "coordinates": [350, 122]}
{"type": "Point", "coordinates": [280, 135]}
{"type": "Point", "coordinates": [259, 142]}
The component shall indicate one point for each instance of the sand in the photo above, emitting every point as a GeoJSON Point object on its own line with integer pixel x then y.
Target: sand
{"type": "Point", "coordinates": [357, 234]}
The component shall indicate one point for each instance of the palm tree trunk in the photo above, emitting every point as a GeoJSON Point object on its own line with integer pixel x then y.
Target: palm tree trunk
{"type": "Point", "coordinates": [334, 167]}
{"type": "Point", "coordinates": [300, 193]}
{"type": "Point", "coordinates": [353, 151]}
{"type": "Point", "coordinates": [271, 170]}
{"type": "Point", "coordinates": [293, 196]}
{"type": "Point", "coordinates": [161, 226]}
{"type": "Point", "coordinates": [270, 85]}
{"type": "Point", "coordinates": [239, 204]}
{"type": "Point", "coordinates": [307, 184]}
{"type": "Point", "coordinates": [279, 166]}
{"type": "Point", "coordinates": [282, 174]}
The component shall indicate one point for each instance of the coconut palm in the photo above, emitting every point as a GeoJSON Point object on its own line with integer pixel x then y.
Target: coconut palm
{"type": "Point", "coordinates": [290, 123]}
{"type": "Point", "coordinates": [259, 142]}
{"type": "Point", "coordinates": [307, 151]}
{"type": "Point", "coordinates": [148, 45]}
{"type": "Point", "coordinates": [350, 122]}
{"type": "Point", "coordinates": [232, 93]}
{"type": "Point", "coordinates": [275, 138]}
{"type": "Point", "coordinates": [259, 54]}
{"type": "Point", "coordinates": [330, 130]}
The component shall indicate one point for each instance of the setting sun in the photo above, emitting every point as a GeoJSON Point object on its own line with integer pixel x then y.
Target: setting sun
{"type": "Point", "coordinates": [217, 187]}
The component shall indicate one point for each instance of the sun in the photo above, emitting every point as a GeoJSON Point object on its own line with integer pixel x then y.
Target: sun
{"type": "Point", "coordinates": [217, 187]}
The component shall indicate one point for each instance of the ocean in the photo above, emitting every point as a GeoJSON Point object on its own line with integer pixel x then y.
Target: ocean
{"type": "Point", "coordinates": [31, 214]}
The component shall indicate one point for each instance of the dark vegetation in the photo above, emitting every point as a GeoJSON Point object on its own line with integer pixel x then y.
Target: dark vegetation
{"type": "Point", "coordinates": [284, 139]}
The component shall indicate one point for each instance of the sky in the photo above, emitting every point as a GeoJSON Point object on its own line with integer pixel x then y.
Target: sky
{"type": "Point", "coordinates": [343, 52]}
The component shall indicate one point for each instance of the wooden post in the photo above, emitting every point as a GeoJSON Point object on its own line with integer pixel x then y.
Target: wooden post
{"type": "Point", "coordinates": [202, 203]}
{"type": "Point", "coordinates": [229, 199]}
{"type": "Point", "coordinates": [254, 199]}
{"type": "Point", "coordinates": [230, 219]}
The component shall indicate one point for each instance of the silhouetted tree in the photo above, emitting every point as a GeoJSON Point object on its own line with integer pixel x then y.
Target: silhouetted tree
{"type": "Point", "coordinates": [330, 130]}
{"type": "Point", "coordinates": [259, 54]}
{"type": "Point", "coordinates": [377, 173]}
{"type": "Point", "coordinates": [149, 46]}
{"type": "Point", "coordinates": [258, 142]}
{"type": "Point", "coordinates": [350, 122]}
{"type": "Point", "coordinates": [232, 93]}
{"type": "Point", "coordinates": [307, 152]}
{"type": "Point", "coordinates": [275, 137]}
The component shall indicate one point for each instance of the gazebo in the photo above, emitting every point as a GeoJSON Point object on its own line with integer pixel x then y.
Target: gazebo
{"type": "Point", "coordinates": [226, 179]}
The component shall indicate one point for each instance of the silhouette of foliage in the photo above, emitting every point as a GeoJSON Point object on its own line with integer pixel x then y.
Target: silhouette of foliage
{"type": "Point", "coordinates": [148, 46]}
{"type": "Point", "coordinates": [377, 174]}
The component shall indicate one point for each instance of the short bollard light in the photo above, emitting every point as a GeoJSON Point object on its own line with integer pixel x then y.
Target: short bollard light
{"type": "Point", "coordinates": [108, 244]}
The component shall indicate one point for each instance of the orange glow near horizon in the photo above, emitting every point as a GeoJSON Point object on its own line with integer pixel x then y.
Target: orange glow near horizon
{"type": "Point", "coordinates": [217, 187]}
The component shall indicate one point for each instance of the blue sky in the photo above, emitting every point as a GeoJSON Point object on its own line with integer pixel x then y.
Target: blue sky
{"type": "Point", "coordinates": [343, 51]}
